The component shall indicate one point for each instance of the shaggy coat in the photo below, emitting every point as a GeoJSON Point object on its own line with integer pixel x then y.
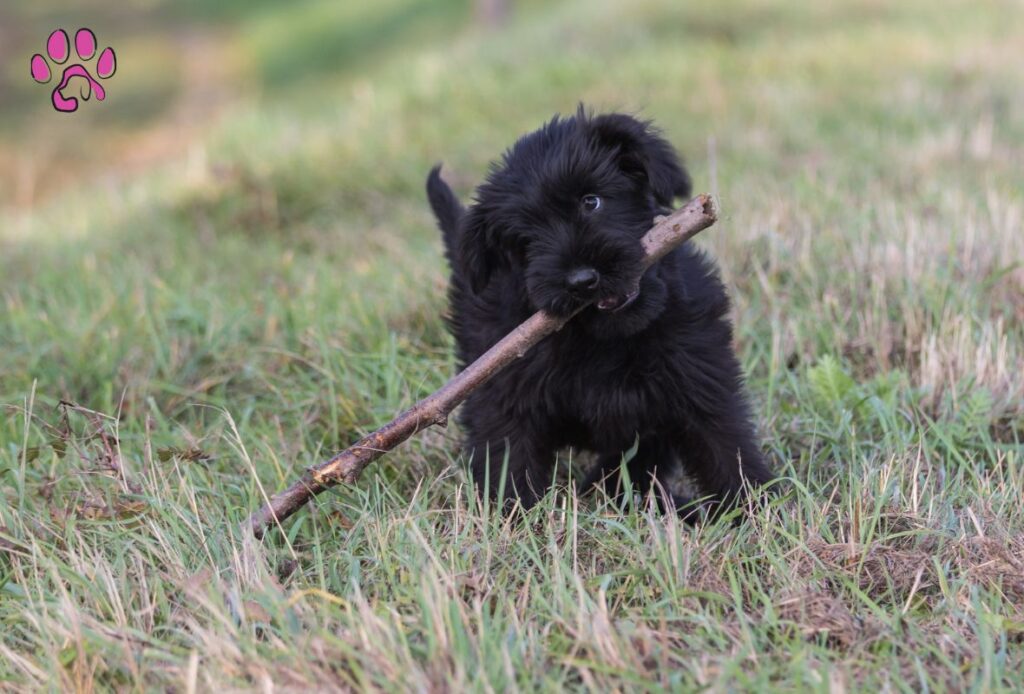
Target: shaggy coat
{"type": "Point", "coordinates": [646, 369]}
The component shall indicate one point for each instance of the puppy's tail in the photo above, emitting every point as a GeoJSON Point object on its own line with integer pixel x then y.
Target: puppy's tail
{"type": "Point", "coordinates": [447, 209]}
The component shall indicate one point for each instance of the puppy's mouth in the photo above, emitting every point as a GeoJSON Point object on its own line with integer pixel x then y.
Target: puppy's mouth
{"type": "Point", "coordinates": [617, 302]}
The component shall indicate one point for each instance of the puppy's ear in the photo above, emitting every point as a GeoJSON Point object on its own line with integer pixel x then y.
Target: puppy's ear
{"type": "Point", "coordinates": [644, 153]}
{"type": "Point", "coordinates": [479, 256]}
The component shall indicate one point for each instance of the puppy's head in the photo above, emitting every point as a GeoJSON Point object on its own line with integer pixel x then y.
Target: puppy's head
{"type": "Point", "coordinates": [566, 209]}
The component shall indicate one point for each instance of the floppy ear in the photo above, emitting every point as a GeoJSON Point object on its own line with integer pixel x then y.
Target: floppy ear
{"type": "Point", "coordinates": [479, 256]}
{"type": "Point", "coordinates": [644, 153]}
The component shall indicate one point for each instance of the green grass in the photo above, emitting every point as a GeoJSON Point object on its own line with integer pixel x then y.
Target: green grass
{"type": "Point", "coordinates": [224, 319]}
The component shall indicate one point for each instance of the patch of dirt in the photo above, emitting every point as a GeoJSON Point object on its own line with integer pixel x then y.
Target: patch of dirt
{"type": "Point", "coordinates": [877, 567]}
{"type": "Point", "coordinates": [817, 614]}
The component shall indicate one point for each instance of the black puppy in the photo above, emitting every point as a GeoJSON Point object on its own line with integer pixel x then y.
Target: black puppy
{"type": "Point", "coordinates": [557, 225]}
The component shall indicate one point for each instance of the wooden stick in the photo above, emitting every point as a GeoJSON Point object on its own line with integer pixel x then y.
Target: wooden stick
{"type": "Point", "coordinates": [667, 233]}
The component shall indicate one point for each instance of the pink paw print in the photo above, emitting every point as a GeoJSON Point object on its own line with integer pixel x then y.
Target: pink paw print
{"type": "Point", "coordinates": [58, 48]}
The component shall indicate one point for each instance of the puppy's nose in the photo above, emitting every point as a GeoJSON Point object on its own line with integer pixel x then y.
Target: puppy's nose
{"type": "Point", "coordinates": [582, 279]}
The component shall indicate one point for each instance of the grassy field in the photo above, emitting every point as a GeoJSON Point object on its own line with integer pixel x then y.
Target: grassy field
{"type": "Point", "coordinates": [228, 271]}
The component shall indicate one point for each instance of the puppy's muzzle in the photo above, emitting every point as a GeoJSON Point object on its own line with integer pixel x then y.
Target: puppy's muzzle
{"type": "Point", "coordinates": [583, 281]}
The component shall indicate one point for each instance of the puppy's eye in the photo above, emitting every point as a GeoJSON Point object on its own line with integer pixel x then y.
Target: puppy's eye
{"type": "Point", "coordinates": [591, 203]}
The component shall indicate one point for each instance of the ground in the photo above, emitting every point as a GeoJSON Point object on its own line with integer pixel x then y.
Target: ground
{"type": "Point", "coordinates": [216, 278]}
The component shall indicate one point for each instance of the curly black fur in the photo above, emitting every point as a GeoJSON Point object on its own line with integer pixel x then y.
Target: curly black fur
{"type": "Point", "coordinates": [659, 370]}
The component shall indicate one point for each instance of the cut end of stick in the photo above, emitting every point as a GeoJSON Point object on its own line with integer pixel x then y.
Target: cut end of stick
{"type": "Point", "coordinates": [712, 208]}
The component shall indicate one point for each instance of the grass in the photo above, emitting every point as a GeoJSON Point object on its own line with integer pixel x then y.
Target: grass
{"type": "Point", "coordinates": [215, 321]}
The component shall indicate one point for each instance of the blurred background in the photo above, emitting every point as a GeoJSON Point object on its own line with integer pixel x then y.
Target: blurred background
{"type": "Point", "coordinates": [700, 66]}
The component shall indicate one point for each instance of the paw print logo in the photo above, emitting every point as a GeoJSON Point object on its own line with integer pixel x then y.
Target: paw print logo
{"type": "Point", "coordinates": [58, 48]}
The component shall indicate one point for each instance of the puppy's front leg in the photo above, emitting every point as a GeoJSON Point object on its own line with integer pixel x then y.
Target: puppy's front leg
{"type": "Point", "coordinates": [653, 460]}
{"type": "Point", "coordinates": [720, 451]}
{"type": "Point", "coordinates": [515, 467]}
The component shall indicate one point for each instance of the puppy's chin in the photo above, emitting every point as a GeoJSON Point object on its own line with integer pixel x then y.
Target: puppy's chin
{"type": "Point", "coordinates": [631, 319]}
